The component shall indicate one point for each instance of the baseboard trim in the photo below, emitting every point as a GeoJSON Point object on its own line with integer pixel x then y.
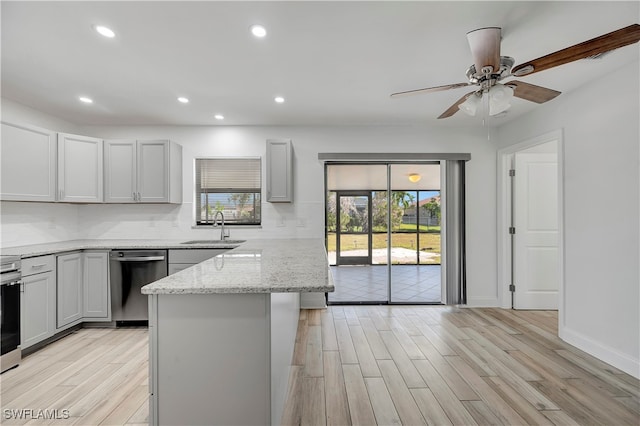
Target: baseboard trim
{"type": "Point", "coordinates": [604, 353]}
{"type": "Point", "coordinates": [483, 302]}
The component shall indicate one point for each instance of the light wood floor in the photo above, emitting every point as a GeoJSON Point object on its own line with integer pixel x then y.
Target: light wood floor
{"type": "Point", "coordinates": [99, 375]}
{"type": "Point", "coordinates": [359, 365]}
{"type": "Point", "coordinates": [443, 365]}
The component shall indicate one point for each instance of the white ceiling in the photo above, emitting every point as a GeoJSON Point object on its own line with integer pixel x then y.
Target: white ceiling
{"type": "Point", "coordinates": [334, 62]}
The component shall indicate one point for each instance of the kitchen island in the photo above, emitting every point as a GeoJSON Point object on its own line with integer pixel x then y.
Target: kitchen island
{"type": "Point", "coordinates": [222, 333]}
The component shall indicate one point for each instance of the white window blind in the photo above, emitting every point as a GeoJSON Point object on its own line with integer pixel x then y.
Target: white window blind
{"type": "Point", "coordinates": [230, 185]}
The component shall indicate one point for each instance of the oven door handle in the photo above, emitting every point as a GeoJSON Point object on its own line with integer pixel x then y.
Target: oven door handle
{"type": "Point", "coordinates": [9, 269]}
{"type": "Point", "coordinates": [138, 259]}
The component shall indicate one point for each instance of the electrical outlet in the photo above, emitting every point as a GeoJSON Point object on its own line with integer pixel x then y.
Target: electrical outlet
{"type": "Point", "coordinates": [281, 221]}
{"type": "Point", "coordinates": [302, 222]}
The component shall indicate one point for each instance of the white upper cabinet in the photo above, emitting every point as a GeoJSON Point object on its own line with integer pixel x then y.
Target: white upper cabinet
{"type": "Point", "coordinates": [28, 163]}
{"type": "Point", "coordinates": [80, 169]}
{"type": "Point", "coordinates": [279, 171]}
{"type": "Point", "coordinates": [144, 171]}
{"type": "Point", "coordinates": [120, 171]}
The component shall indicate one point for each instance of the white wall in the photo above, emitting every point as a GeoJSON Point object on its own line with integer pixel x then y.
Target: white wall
{"type": "Point", "coordinates": [601, 312]}
{"type": "Point", "coordinates": [304, 218]}
{"type": "Point", "coordinates": [35, 223]}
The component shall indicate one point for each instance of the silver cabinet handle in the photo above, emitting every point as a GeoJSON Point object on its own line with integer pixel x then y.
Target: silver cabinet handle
{"type": "Point", "coordinates": [139, 199]}
{"type": "Point", "coordinates": [133, 194]}
{"type": "Point", "coordinates": [39, 266]}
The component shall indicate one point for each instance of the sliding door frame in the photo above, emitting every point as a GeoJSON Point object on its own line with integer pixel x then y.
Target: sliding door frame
{"type": "Point", "coordinates": [439, 159]}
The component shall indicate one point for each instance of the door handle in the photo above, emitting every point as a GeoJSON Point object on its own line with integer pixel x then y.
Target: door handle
{"type": "Point", "coordinates": [138, 259]}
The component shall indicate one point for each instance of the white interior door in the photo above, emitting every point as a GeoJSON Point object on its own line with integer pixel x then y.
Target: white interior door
{"type": "Point", "coordinates": [536, 272]}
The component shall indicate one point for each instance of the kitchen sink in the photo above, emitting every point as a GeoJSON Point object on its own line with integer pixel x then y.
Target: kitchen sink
{"type": "Point", "coordinates": [214, 242]}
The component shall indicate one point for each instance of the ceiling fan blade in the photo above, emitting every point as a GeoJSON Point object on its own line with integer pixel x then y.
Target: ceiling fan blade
{"type": "Point", "coordinates": [454, 108]}
{"type": "Point", "coordinates": [485, 48]}
{"type": "Point", "coordinates": [604, 43]}
{"type": "Point", "coordinates": [531, 92]}
{"type": "Point", "coordinates": [429, 89]}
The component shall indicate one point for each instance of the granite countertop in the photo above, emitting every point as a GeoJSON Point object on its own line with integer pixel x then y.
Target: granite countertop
{"type": "Point", "coordinates": [71, 245]}
{"type": "Point", "coordinates": [257, 266]}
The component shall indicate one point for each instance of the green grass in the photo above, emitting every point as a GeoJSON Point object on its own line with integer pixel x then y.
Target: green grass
{"type": "Point", "coordinates": [428, 242]}
{"type": "Point", "coordinates": [423, 228]}
{"type": "Point", "coordinates": [407, 227]}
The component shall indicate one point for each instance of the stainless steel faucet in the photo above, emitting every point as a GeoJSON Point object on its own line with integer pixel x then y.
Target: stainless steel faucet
{"type": "Point", "coordinates": [215, 223]}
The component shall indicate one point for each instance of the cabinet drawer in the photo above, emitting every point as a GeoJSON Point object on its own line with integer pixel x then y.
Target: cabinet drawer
{"type": "Point", "coordinates": [36, 265]}
{"type": "Point", "coordinates": [193, 256]}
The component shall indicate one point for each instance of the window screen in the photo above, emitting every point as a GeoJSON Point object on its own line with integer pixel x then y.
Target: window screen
{"type": "Point", "coordinates": [230, 185]}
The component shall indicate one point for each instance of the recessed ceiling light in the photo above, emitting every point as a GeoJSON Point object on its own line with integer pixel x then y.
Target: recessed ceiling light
{"type": "Point", "coordinates": [85, 100]}
{"type": "Point", "coordinates": [104, 31]}
{"type": "Point", "coordinates": [279, 99]}
{"type": "Point", "coordinates": [183, 100]}
{"type": "Point", "coordinates": [219, 117]}
{"type": "Point", "coordinates": [258, 31]}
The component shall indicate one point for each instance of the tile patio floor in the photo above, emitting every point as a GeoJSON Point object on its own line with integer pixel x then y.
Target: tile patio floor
{"type": "Point", "coordinates": [368, 283]}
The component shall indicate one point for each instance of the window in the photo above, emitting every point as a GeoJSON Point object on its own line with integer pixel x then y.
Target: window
{"type": "Point", "coordinates": [230, 185]}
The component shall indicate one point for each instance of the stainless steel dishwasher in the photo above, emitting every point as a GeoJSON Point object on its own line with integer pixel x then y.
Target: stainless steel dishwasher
{"type": "Point", "coordinates": [130, 270]}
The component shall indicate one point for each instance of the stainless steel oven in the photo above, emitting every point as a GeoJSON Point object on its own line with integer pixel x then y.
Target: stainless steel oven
{"type": "Point", "coordinates": [10, 312]}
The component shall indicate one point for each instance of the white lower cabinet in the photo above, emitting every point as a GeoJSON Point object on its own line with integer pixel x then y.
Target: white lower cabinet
{"type": "Point", "coordinates": [180, 259]}
{"type": "Point", "coordinates": [69, 290]}
{"type": "Point", "coordinates": [96, 306]}
{"type": "Point", "coordinates": [61, 291]}
{"type": "Point", "coordinates": [38, 301]}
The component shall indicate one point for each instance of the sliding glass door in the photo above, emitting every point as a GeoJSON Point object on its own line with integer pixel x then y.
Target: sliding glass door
{"type": "Point", "coordinates": [383, 232]}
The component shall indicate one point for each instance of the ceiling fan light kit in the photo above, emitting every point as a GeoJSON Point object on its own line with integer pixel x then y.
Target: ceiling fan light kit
{"type": "Point", "coordinates": [489, 68]}
{"type": "Point", "coordinates": [500, 96]}
{"type": "Point", "coordinates": [470, 106]}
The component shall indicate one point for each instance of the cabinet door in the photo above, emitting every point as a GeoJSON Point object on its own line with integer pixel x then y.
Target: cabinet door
{"type": "Point", "coordinates": [279, 171]}
{"type": "Point", "coordinates": [193, 256]}
{"type": "Point", "coordinates": [28, 163]}
{"type": "Point", "coordinates": [69, 289]}
{"type": "Point", "coordinates": [177, 267]}
{"type": "Point", "coordinates": [120, 171]}
{"type": "Point", "coordinates": [95, 267]}
{"type": "Point", "coordinates": [38, 314]}
{"type": "Point", "coordinates": [80, 172]}
{"type": "Point", "coordinates": [153, 171]}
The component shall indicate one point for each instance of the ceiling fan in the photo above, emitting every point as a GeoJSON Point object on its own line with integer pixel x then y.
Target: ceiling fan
{"type": "Point", "coordinates": [489, 68]}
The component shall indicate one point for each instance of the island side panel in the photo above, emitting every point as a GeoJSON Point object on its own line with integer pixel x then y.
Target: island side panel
{"type": "Point", "coordinates": [285, 313]}
{"type": "Point", "coordinates": [212, 359]}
